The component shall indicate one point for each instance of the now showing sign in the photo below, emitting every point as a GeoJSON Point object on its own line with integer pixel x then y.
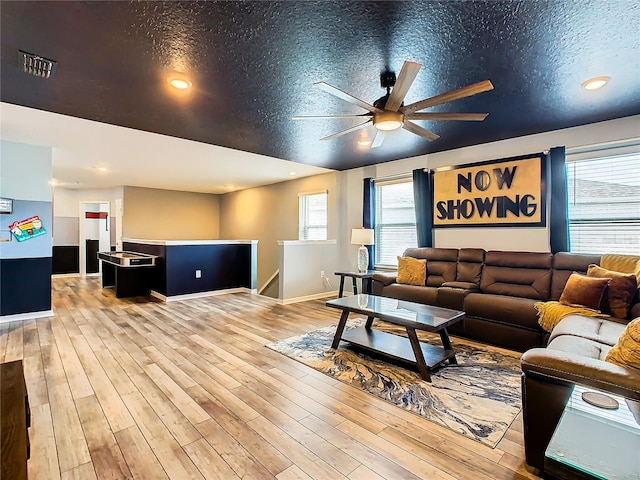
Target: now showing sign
{"type": "Point", "coordinates": [508, 192]}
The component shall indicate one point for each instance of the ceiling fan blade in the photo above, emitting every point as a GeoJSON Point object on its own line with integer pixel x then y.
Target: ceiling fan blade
{"type": "Point", "coordinates": [472, 117]}
{"type": "Point", "coordinates": [349, 130]}
{"type": "Point", "coordinates": [403, 84]}
{"type": "Point", "coordinates": [450, 96]}
{"type": "Point", "coordinates": [336, 92]}
{"type": "Point", "coordinates": [378, 139]}
{"type": "Point", "coordinates": [423, 132]}
{"type": "Point", "coordinates": [314, 117]}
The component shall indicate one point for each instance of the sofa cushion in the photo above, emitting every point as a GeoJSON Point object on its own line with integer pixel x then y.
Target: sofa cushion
{"type": "Point", "coordinates": [564, 264]}
{"type": "Point", "coordinates": [583, 291]}
{"type": "Point", "coordinates": [411, 271]}
{"type": "Point", "coordinates": [621, 263]}
{"type": "Point", "coordinates": [518, 274]}
{"type": "Point", "coordinates": [502, 308]}
{"type": "Point", "coordinates": [626, 352]}
{"type": "Point", "coordinates": [441, 263]}
{"type": "Point", "coordinates": [412, 293]}
{"type": "Point", "coordinates": [579, 346]}
{"type": "Point", "coordinates": [591, 328]}
{"type": "Point", "coordinates": [622, 287]}
{"type": "Point", "coordinates": [470, 262]}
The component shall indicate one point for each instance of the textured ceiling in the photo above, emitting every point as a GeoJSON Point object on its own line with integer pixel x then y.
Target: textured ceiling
{"type": "Point", "coordinates": [253, 65]}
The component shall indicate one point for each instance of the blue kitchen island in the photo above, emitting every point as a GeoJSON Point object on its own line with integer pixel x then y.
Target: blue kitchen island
{"type": "Point", "coordinates": [195, 268]}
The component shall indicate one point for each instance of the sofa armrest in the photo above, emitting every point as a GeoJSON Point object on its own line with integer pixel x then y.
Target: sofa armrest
{"type": "Point", "coordinates": [577, 369]}
{"type": "Point", "coordinates": [452, 294]}
{"type": "Point", "coordinates": [386, 278]}
{"type": "Point", "coordinates": [634, 311]}
{"type": "Point", "coordinates": [468, 286]}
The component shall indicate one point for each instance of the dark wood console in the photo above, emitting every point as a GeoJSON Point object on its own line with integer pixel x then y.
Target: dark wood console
{"type": "Point", "coordinates": [15, 419]}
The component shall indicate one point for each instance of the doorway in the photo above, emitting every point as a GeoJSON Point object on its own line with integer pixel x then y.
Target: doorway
{"type": "Point", "coordinates": [95, 234]}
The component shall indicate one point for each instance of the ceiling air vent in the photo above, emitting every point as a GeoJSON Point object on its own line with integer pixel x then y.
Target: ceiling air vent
{"type": "Point", "coordinates": [36, 65]}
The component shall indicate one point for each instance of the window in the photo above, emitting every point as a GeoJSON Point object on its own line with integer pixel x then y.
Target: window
{"type": "Point", "coordinates": [312, 212]}
{"type": "Point", "coordinates": [395, 229]}
{"type": "Point", "coordinates": [604, 204]}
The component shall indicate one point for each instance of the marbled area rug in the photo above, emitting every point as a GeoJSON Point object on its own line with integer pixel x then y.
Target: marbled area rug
{"type": "Point", "coordinates": [478, 398]}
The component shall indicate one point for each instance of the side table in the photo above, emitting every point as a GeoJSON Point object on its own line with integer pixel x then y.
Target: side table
{"type": "Point", "coordinates": [366, 278]}
{"type": "Point", "coordinates": [594, 443]}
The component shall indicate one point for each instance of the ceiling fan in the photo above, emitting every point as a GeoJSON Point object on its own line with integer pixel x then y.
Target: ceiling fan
{"type": "Point", "coordinates": [388, 113]}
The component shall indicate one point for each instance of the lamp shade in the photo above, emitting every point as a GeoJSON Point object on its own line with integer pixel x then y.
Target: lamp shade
{"type": "Point", "coordinates": [362, 236]}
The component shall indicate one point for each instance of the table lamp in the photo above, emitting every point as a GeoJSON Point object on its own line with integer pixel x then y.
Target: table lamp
{"type": "Point", "coordinates": [362, 237]}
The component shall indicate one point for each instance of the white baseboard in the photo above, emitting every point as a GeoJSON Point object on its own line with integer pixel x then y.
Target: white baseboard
{"type": "Point", "coordinates": [25, 316]}
{"type": "Point", "coordinates": [189, 296]}
{"type": "Point", "coordinates": [65, 275]}
{"type": "Point", "coordinates": [306, 298]}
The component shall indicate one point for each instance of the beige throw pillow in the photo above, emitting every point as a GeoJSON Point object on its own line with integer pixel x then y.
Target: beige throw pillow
{"type": "Point", "coordinates": [412, 271]}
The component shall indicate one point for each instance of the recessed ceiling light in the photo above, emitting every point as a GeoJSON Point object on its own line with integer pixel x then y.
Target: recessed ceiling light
{"type": "Point", "coordinates": [179, 83]}
{"type": "Point", "coordinates": [102, 169]}
{"type": "Point", "coordinates": [230, 187]}
{"type": "Point", "coordinates": [292, 173]}
{"type": "Point", "coordinates": [364, 142]}
{"type": "Point", "coordinates": [595, 83]}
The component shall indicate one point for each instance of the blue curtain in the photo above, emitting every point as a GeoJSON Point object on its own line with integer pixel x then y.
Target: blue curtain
{"type": "Point", "coordinates": [369, 214]}
{"type": "Point", "coordinates": [423, 199]}
{"type": "Point", "coordinates": [559, 205]}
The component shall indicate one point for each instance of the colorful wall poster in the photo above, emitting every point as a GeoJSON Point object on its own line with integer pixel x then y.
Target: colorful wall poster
{"type": "Point", "coordinates": [27, 229]}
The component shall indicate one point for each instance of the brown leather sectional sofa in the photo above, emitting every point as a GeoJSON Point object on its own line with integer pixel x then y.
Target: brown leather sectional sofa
{"type": "Point", "coordinates": [497, 291]}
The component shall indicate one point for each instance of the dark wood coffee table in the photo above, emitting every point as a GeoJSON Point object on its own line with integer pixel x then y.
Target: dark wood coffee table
{"type": "Point", "coordinates": [412, 316]}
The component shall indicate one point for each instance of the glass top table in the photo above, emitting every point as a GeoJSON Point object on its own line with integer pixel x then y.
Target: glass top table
{"type": "Point", "coordinates": [595, 443]}
{"type": "Point", "coordinates": [413, 316]}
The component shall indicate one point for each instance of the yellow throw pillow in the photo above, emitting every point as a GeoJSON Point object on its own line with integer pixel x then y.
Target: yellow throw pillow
{"type": "Point", "coordinates": [412, 271]}
{"type": "Point", "coordinates": [626, 352]}
{"type": "Point", "coordinates": [622, 288]}
{"type": "Point", "coordinates": [583, 291]}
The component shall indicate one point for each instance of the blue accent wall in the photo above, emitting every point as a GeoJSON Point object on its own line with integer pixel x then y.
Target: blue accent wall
{"type": "Point", "coordinates": [25, 267]}
{"type": "Point", "coordinates": [34, 247]}
{"type": "Point", "coordinates": [25, 285]}
{"type": "Point", "coordinates": [222, 266]}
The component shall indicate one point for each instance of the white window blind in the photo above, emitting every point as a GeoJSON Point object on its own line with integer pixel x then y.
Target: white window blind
{"type": "Point", "coordinates": [395, 217]}
{"type": "Point", "coordinates": [604, 204]}
{"type": "Point", "coordinates": [312, 212]}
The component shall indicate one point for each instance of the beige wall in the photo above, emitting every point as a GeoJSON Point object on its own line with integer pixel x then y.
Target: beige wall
{"type": "Point", "coordinates": [270, 213]}
{"type": "Point", "coordinates": [150, 213]}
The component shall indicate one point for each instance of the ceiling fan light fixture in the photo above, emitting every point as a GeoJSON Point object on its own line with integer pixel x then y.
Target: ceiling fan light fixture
{"type": "Point", "coordinates": [595, 83]}
{"type": "Point", "coordinates": [388, 121]}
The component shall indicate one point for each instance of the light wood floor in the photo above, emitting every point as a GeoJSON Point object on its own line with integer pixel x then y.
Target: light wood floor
{"type": "Point", "coordinates": [123, 388]}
